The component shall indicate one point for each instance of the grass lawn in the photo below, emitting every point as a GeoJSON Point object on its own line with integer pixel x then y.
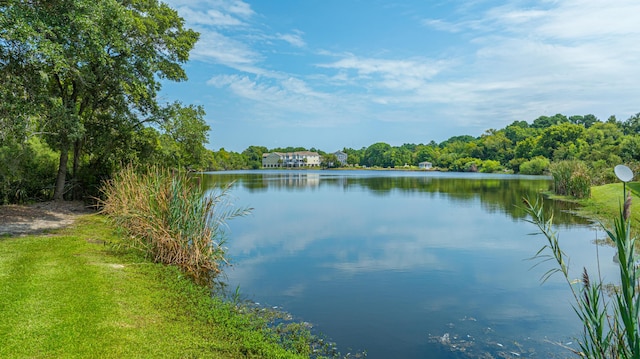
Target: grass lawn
{"type": "Point", "coordinates": [604, 204]}
{"type": "Point", "coordinates": [68, 294]}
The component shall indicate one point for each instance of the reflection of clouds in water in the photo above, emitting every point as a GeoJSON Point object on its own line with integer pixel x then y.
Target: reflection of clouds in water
{"type": "Point", "coordinates": [406, 240]}
{"type": "Point", "coordinates": [427, 259]}
{"type": "Point", "coordinates": [295, 290]}
{"type": "Point", "coordinates": [395, 261]}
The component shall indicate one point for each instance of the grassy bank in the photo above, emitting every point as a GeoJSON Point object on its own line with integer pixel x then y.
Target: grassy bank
{"type": "Point", "coordinates": [605, 201]}
{"type": "Point", "coordinates": [68, 294]}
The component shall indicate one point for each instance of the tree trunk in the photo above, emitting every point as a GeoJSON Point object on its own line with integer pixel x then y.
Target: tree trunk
{"type": "Point", "coordinates": [77, 146]}
{"type": "Point", "coordinates": [62, 174]}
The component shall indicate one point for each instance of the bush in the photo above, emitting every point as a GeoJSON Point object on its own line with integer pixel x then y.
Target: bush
{"type": "Point", "coordinates": [571, 178]}
{"type": "Point", "coordinates": [490, 166]}
{"type": "Point", "coordinates": [535, 166]}
{"type": "Point", "coordinates": [465, 164]}
{"type": "Point", "coordinates": [171, 219]}
{"type": "Point", "coordinates": [27, 171]}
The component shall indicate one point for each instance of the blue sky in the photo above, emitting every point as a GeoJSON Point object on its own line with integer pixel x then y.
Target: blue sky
{"type": "Point", "coordinates": [347, 73]}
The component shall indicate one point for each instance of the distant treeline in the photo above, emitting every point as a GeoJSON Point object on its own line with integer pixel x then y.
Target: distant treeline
{"type": "Point", "coordinates": [521, 147]}
{"type": "Point", "coordinates": [578, 150]}
{"type": "Point", "coordinates": [79, 100]}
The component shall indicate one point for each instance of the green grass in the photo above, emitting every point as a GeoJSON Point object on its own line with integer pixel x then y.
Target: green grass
{"type": "Point", "coordinates": [606, 200]}
{"type": "Point", "coordinates": [69, 294]}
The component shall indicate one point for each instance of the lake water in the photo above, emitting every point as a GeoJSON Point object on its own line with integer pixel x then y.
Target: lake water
{"type": "Point", "coordinates": [408, 264]}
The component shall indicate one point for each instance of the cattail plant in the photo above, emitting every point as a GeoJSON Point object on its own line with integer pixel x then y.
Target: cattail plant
{"type": "Point", "coordinates": [610, 324]}
{"type": "Point", "coordinates": [171, 219]}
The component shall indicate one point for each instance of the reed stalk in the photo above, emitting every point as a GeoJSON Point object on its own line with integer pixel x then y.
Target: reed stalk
{"type": "Point", "coordinates": [172, 219]}
{"type": "Point", "coordinates": [610, 324]}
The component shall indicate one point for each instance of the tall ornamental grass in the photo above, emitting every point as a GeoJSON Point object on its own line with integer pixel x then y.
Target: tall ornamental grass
{"type": "Point", "coordinates": [172, 219]}
{"type": "Point", "coordinates": [610, 323]}
{"type": "Point", "coordinates": [571, 178]}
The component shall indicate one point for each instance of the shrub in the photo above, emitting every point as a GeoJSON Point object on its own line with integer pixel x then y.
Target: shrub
{"type": "Point", "coordinates": [27, 171]}
{"type": "Point", "coordinates": [535, 166]}
{"type": "Point", "coordinates": [172, 219]}
{"type": "Point", "coordinates": [465, 164]}
{"type": "Point", "coordinates": [490, 166]}
{"type": "Point", "coordinates": [571, 178]}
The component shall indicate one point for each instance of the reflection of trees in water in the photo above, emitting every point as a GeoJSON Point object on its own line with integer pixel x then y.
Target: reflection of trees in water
{"type": "Point", "coordinates": [503, 195]}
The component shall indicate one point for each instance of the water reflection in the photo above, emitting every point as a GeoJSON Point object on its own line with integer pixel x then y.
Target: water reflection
{"type": "Point", "coordinates": [497, 193]}
{"type": "Point", "coordinates": [387, 261]}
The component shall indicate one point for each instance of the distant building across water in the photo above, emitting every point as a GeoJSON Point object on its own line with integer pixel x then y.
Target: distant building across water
{"type": "Point", "coordinates": [290, 159]}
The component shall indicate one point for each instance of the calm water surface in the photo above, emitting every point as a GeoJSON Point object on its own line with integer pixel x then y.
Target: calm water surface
{"type": "Point", "coordinates": [407, 264]}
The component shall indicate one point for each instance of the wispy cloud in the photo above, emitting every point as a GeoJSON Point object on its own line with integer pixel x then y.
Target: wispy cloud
{"type": "Point", "coordinates": [220, 49]}
{"type": "Point", "coordinates": [294, 39]}
{"type": "Point", "coordinates": [237, 8]}
{"type": "Point", "coordinates": [224, 27]}
{"type": "Point", "coordinates": [481, 67]}
{"type": "Point", "coordinates": [399, 75]}
{"type": "Point", "coordinates": [443, 25]}
{"type": "Point", "coordinates": [277, 99]}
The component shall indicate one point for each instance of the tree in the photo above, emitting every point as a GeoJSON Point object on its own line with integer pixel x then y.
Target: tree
{"type": "Point", "coordinates": [557, 136]}
{"type": "Point", "coordinates": [375, 155]}
{"type": "Point", "coordinates": [632, 125]}
{"type": "Point", "coordinates": [185, 127]}
{"type": "Point", "coordinates": [254, 155]}
{"type": "Point", "coordinates": [586, 120]}
{"type": "Point", "coordinates": [96, 62]}
{"type": "Point", "coordinates": [329, 160]}
{"type": "Point", "coordinates": [545, 121]}
{"type": "Point", "coordinates": [354, 157]}
{"type": "Point", "coordinates": [426, 153]}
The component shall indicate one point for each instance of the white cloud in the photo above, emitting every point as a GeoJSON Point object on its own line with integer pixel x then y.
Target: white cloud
{"type": "Point", "coordinates": [234, 7]}
{"type": "Point", "coordinates": [210, 17]}
{"type": "Point", "coordinates": [218, 48]}
{"type": "Point", "coordinates": [396, 75]}
{"type": "Point", "coordinates": [499, 64]}
{"type": "Point", "coordinates": [442, 25]}
{"type": "Point", "coordinates": [294, 39]}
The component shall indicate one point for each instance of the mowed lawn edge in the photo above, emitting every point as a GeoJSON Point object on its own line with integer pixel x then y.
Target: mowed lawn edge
{"type": "Point", "coordinates": [69, 293]}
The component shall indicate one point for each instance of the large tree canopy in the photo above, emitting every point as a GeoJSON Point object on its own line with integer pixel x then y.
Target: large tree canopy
{"type": "Point", "coordinates": [80, 67]}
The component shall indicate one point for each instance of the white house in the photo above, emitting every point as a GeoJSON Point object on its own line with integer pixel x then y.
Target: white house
{"type": "Point", "coordinates": [424, 165]}
{"type": "Point", "coordinates": [291, 159]}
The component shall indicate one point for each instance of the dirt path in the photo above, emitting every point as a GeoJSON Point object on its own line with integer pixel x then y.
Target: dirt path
{"type": "Point", "coordinates": [20, 220]}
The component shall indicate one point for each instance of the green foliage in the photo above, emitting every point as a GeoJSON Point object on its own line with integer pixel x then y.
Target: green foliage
{"type": "Point", "coordinates": [535, 166]}
{"type": "Point", "coordinates": [253, 154]}
{"type": "Point", "coordinates": [557, 137]}
{"type": "Point", "coordinates": [99, 65]}
{"type": "Point", "coordinates": [171, 219]}
{"type": "Point", "coordinates": [546, 121]}
{"type": "Point", "coordinates": [27, 172]}
{"type": "Point", "coordinates": [490, 166]}
{"type": "Point", "coordinates": [571, 178]}
{"type": "Point", "coordinates": [329, 160]}
{"type": "Point", "coordinates": [610, 328]}
{"type": "Point", "coordinates": [465, 164]}
{"type": "Point", "coordinates": [375, 155]}
{"type": "Point", "coordinates": [185, 129]}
